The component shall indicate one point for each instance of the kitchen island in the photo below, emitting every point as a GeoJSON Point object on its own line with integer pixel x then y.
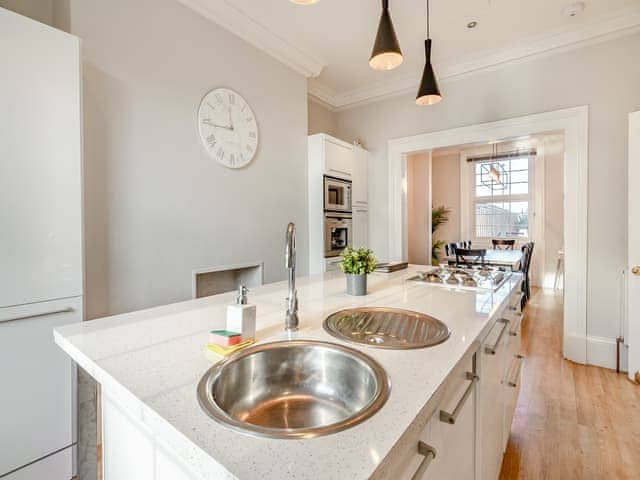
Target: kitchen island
{"type": "Point", "coordinates": [149, 363]}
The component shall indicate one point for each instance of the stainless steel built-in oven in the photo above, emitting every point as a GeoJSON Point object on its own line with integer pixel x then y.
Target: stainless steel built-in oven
{"type": "Point", "coordinates": [337, 233]}
{"type": "Point", "coordinates": [337, 195]}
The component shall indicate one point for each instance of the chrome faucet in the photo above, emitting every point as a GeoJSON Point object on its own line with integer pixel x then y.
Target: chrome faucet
{"type": "Point", "coordinates": [291, 319]}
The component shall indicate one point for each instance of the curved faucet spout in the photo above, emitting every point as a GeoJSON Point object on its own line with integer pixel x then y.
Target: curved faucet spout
{"type": "Point", "coordinates": [291, 319]}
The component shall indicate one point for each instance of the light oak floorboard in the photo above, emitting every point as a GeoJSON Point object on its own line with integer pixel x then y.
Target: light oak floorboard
{"type": "Point", "coordinates": [571, 421]}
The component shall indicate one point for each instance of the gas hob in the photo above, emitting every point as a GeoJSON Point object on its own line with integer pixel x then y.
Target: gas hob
{"type": "Point", "coordinates": [474, 279]}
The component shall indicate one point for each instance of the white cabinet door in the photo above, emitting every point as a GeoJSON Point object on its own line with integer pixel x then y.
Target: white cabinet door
{"type": "Point", "coordinates": [493, 356]}
{"type": "Point", "coordinates": [360, 227]}
{"type": "Point", "coordinates": [40, 163]}
{"type": "Point", "coordinates": [338, 159]}
{"type": "Point", "coordinates": [37, 403]}
{"type": "Point", "coordinates": [360, 190]}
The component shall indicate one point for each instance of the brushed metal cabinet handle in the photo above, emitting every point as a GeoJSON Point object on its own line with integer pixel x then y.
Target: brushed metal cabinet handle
{"type": "Point", "coordinates": [429, 454]}
{"type": "Point", "coordinates": [450, 418]}
{"type": "Point", "coordinates": [36, 315]}
{"type": "Point", "coordinates": [514, 383]}
{"type": "Point", "coordinates": [491, 350]}
{"type": "Point", "coordinates": [516, 326]}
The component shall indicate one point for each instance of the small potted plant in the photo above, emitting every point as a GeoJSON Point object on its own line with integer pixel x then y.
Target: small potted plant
{"type": "Point", "coordinates": [356, 264]}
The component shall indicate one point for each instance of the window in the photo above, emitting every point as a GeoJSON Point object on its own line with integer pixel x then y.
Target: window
{"type": "Point", "coordinates": [500, 196]}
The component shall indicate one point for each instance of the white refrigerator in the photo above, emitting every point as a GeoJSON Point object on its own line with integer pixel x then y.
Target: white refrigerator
{"type": "Point", "coordinates": [41, 271]}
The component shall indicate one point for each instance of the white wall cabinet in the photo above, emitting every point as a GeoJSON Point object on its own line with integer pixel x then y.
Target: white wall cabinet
{"type": "Point", "coordinates": [335, 158]}
{"type": "Point", "coordinates": [360, 198]}
{"type": "Point", "coordinates": [360, 190]}
{"type": "Point", "coordinates": [40, 163]}
{"type": "Point", "coordinates": [360, 227]}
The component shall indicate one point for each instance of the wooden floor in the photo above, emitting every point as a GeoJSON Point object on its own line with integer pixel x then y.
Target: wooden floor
{"type": "Point", "coordinates": [571, 421]}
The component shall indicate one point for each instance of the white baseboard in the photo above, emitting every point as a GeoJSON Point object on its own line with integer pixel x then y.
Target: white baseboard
{"type": "Point", "coordinates": [575, 349]}
{"type": "Point", "coordinates": [601, 351]}
{"type": "Point", "coordinates": [598, 351]}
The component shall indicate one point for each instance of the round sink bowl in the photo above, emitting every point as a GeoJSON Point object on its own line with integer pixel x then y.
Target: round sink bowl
{"type": "Point", "coordinates": [294, 389]}
{"type": "Point", "coordinates": [386, 328]}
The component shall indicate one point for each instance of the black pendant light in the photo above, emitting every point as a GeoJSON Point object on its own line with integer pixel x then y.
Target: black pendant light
{"type": "Point", "coordinates": [428, 93]}
{"type": "Point", "coordinates": [386, 53]}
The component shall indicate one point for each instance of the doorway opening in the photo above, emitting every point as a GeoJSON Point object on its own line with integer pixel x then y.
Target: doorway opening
{"type": "Point", "coordinates": [564, 134]}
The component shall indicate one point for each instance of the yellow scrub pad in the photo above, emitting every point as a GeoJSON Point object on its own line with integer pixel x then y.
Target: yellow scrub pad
{"type": "Point", "coordinates": [225, 351]}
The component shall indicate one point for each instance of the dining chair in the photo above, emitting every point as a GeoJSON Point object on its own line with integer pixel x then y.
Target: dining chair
{"type": "Point", "coordinates": [469, 257]}
{"type": "Point", "coordinates": [503, 244]}
{"type": "Point", "coordinates": [525, 264]}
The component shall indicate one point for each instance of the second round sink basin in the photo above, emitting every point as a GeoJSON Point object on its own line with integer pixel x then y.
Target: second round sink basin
{"type": "Point", "coordinates": [386, 328]}
{"type": "Point", "coordinates": [294, 389]}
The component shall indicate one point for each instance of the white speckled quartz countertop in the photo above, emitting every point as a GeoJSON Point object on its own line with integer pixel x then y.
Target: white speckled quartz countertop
{"type": "Point", "coordinates": [152, 360]}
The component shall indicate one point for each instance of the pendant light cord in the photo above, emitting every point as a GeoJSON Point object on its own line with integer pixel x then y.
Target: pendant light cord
{"type": "Point", "coordinates": [428, 29]}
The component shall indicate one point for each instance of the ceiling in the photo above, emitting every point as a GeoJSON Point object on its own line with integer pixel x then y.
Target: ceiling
{"type": "Point", "coordinates": [332, 39]}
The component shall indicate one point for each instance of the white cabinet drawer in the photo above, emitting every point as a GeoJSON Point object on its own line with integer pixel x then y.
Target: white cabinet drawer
{"type": "Point", "coordinates": [445, 447]}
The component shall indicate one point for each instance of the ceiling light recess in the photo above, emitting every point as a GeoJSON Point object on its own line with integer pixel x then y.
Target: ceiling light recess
{"type": "Point", "coordinates": [304, 2]}
{"type": "Point", "coordinates": [386, 53]}
{"type": "Point", "coordinates": [429, 92]}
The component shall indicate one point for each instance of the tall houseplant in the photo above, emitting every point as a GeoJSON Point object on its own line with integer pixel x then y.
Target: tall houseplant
{"type": "Point", "coordinates": [356, 264]}
{"type": "Point", "coordinates": [439, 216]}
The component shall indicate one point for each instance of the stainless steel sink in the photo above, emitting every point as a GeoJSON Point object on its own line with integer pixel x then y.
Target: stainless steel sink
{"type": "Point", "coordinates": [294, 389]}
{"type": "Point", "coordinates": [386, 328]}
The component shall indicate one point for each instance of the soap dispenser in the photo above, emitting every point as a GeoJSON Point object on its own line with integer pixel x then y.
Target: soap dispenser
{"type": "Point", "coordinates": [241, 317]}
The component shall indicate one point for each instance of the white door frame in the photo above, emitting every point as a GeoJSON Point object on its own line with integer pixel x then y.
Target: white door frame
{"type": "Point", "coordinates": [574, 123]}
{"type": "Point", "coordinates": [632, 314]}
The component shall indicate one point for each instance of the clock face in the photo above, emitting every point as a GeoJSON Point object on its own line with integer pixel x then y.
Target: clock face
{"type": "Point", "coordinates": [228, 128]}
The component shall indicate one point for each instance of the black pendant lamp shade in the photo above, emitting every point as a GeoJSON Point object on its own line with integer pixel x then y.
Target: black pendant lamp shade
{"type": "Point", "coordinates": [386, 53]}
{"type": "Point", "coordinates": [429, 93]}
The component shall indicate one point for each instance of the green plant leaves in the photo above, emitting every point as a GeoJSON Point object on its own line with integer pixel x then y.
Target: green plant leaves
{"type": "Point", "coordinates": [357, 261]}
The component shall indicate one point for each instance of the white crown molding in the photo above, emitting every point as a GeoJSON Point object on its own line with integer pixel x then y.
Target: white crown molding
{"type": "Point", "coordinates": [258, 35]}
{"type": "Point", "coordinates": [623, 22]}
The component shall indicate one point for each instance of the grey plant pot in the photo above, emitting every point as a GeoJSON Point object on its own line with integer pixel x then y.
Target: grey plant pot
{"type": "Point", "coordinates": [356, 284]}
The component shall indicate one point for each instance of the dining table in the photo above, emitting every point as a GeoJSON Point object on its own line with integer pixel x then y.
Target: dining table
{"type": "Point", "coordinates": [496, 258]}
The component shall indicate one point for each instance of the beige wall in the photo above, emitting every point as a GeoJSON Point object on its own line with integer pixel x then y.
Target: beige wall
{"type": "Point", "coordinates": [445, 190]}
{"type": "Point", "coordinates": [418, 211]}
{"type": "Point", "coordinates": [553, 202]}
{"type": "Point", "coordinates": [604, 76]}
{"type": "Point", "coordinates": [321, 119]}
{"type": "Point", "coordinates": [40, 10]}
{"type": "Point", "coordinates": [157, 206]}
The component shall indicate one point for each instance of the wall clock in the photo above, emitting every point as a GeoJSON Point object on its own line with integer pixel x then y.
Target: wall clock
{"type": "Point", "coordinates": [228, 128]}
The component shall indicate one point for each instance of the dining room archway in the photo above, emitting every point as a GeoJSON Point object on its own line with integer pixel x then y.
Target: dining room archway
{"type": "Point", "coordinates": [574, 125]}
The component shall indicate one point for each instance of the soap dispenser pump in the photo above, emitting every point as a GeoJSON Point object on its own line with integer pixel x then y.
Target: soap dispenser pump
{"type": "Point", "coordinates": [241, 317]}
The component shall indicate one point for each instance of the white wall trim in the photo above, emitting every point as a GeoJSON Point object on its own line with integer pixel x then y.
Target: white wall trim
{"type": "Point", "coordinates": [574, 122]}
{"type": "Point", "coordinates": [608, 27]}
{"type": "Point", "coordinates": [252, 31]}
